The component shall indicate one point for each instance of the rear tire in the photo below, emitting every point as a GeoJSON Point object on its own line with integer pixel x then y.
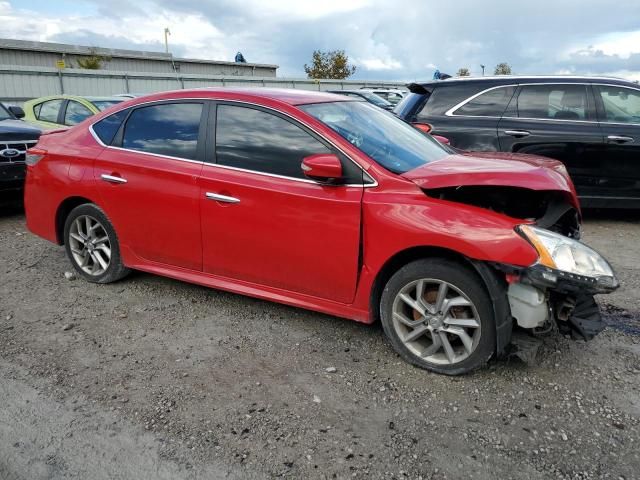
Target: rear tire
{"type": "Point", "coordinates": [438, 316]}
{"type": "Point", "coordinates": [92, 245]}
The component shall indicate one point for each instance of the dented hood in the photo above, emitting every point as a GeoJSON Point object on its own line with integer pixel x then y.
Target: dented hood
{"type": "Point", "coordinates": [493, 168]}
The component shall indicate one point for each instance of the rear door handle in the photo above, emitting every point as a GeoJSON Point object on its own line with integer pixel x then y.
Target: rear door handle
{"type": "Point", "coordinates": [517, 133]}
{"type": "Point", "coordinates": [619, 139]}
{"type": "Point", "coordinates": [112, 178]}
{"type": "Point", "coordinates": [221, 198]}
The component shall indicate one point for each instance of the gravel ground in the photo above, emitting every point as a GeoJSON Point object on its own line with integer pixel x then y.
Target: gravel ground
{"type": "Point", "coordinates": [153, 378]}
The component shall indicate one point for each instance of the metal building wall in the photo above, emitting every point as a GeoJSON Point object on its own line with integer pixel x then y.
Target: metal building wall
{"type": "Point", "coordinates": [18, 84]}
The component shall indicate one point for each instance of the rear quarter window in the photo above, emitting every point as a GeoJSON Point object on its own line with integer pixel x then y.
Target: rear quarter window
{"type": "Point", "coordinates": [444, 97]}
{"type": "Point", "coordinates": [489, 104]}
{"type": "Point", "coordinates": [107, 128]}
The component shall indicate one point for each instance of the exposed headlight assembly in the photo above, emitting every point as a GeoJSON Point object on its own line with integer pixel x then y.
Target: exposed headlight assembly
{"type": "Point", "coordinates": [567, 256]}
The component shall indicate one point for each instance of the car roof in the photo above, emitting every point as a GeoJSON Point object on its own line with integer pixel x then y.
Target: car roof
{"type": "Point", "coordinates": [283, 95]}
{"type": "Point", "coordinates": [503, 79]}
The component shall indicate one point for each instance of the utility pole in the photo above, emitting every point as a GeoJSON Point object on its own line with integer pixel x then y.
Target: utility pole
{"type": "Point", "coordinates": [166, 39]}
{"type": "Point", "coordinates": [482, 66]}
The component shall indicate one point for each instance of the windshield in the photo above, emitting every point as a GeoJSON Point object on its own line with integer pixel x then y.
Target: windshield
{"type": "Point", "coordinates": [4, 114]}
{"type": "Point", "coordinates": [376, 99]}
{"type": "Point", "coordinates": [391, 142]}
{"type": "Point", "coordinates": [102, 104]}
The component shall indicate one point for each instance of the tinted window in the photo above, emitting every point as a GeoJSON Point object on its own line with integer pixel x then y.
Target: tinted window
{"type": "Point", "coordinates": [621, 105]}
{"type": "Point", "coordinates": [256, 140]}
{"type": "Point", "coordinates": [168, 129]}
{"type": "Point", "coordinates": [443, 98]}
{"type": "Point", "coordinates": [4, 113]}
{"type": "Point", "coordinates": [385, 138]}
{"type": "Point", "coordinates": [48, 111]}
{"type": "Point", "coordinates": [107, 128]}
{"type": "Point", "coordinates": [75, 113]}
{"type": "Point", "coordinates": [558, 102]}
{"type": "Point", "coordinates": [489, 104]}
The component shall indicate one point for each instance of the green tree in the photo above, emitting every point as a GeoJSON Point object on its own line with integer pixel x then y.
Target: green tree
{"type": "Point", "coordinates": [503, 69]}
{"type": "Point", "coordinates": [94, 61]}
{"type": "Point", "coordinates": [463, 72]}
{"type": "Point", "coordinates": [332, 64]}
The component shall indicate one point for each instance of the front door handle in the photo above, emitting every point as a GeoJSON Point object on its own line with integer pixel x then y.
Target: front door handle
{"type": "Point", "coordinates": [112, 178]}
{"type": "Point", "coordinates": [517, 133]}
{"type": "Point", "coordinates": [221, 198]}
{"type": "Point", "coordinates": [619, 139]}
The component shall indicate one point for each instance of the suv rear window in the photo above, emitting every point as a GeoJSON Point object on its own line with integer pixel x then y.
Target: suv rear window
{"type": "Point", "coordinates": [557, 102]}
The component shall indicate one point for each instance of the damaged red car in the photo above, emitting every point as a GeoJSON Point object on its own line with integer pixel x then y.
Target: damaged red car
{"type": "Point", "coordinates": [327, 203]}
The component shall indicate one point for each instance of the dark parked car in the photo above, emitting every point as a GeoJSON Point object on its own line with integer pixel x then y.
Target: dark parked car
{"type": "Point", "coordinates": [367, 96]}
{"type": "Point", "coordinates": [16, 137]}
{"type": "Point", "coordinates": [590, 124]}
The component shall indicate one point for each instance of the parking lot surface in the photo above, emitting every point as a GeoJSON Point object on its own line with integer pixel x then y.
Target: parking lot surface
{"type": "Point", "coordinates": [153, 378]}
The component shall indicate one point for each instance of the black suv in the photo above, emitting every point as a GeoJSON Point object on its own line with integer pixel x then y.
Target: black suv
{"type": "Point", "coordinates": [16, 137]}
{"type": "Point", "coordinates": [590, 124]}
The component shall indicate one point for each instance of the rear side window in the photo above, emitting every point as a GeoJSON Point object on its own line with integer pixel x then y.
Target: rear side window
{"type": "Point", "coordinates": [555, 102]}
{"type": "Point", "coordinates": [107, 128]}
{"type": "Point", "coordinates": [48, 111]}
{"type": "Point", "coordinates": [489, 104]}
{"type": "Point", "coordinates": [75, 113]}
{"type": "Point", "coordinates": [169, 129]}
{"type": "Point", "coordinates": [444, 98]}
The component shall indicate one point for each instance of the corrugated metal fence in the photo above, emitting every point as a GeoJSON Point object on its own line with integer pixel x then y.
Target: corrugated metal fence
{"type": "Point", "coordinates": [18, 83]}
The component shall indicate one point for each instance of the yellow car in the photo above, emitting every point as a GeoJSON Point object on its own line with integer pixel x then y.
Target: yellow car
{"type": "Point", "coordinates": [65, 110]}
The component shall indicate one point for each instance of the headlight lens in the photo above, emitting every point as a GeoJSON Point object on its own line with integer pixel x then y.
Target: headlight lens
{"type": "Point", "coordinates": [563, 253]}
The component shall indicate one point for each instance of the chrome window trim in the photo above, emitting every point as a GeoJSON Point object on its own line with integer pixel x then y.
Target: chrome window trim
{"type": "Point", "coordinates": [304, 180]}
{"type": "Point", "coordinates": [451, 111]}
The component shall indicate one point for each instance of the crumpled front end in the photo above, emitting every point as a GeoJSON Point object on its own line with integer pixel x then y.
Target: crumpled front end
{"type": "Point", "coordinates": [557, 291]}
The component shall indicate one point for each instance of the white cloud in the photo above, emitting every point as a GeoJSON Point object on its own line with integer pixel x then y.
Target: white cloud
{"type": "Point", "coordinates": [379, 63]}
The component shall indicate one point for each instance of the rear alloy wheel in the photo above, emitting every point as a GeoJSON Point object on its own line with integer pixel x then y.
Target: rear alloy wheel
{"type": "Point", "coordinates": [92, 245]}
{"type": "Point", "coordinates": [438, 316]}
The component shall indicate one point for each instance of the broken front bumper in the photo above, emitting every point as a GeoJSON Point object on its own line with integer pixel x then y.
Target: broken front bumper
{"type": "Point", "coordinates": [543, 299]}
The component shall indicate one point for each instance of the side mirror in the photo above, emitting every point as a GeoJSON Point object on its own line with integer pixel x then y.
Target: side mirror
{"type": "Point", "coordinates": [441, 139]}
{"type": "Point", "coordinates": [16, 111]}
{"type": "Point", "coordinates": [324, 167]}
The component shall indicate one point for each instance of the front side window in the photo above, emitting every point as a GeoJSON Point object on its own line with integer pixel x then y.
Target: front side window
{"type": "Point", "coordinates": [48, 111]}
{"type": "Point", "coordinates": [4, 113]}
{"type": "Point", "coordinates": [492, 103]}
{"type": "Point", "coordinates": [621, 105]}
{"type": "Point", "coordinates": [75, 113]}
{"type": "Point", "coordinates": [553, 102]}
{"type": "Point", "coordinates": [169, 129]}
{"type": "Point", "coordinates": [256, 140]}
{"type": "Point", "coordinates": [382, 136]}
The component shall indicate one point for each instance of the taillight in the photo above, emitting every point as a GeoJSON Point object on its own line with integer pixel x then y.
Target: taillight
{"type": "Point", "coordinates": [34, 156]}
{"type": "Point", "coordinates": [423, 127]}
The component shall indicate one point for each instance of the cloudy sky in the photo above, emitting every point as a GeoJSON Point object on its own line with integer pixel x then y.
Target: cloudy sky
{"type": "Point", "coordinates": [394, 40]}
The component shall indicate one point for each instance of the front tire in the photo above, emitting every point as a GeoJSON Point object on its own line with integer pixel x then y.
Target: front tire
{"type": "Point", "coordinates": [438, 316]}
{"type": "Point", "coordinates": [92, 245]}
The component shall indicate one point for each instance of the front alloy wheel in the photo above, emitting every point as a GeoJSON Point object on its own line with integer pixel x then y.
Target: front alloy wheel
{"type": "Point", "coordinates": [438, 315]}
{"type": "Point", "coordinates": [436, 321]}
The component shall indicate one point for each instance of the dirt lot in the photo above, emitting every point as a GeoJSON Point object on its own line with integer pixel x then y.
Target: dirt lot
{"type": "Point", "coordinates": [153, 378]}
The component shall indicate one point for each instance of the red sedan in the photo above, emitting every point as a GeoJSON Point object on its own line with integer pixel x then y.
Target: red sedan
{"type": "Point", "coordinates": [327, 203]}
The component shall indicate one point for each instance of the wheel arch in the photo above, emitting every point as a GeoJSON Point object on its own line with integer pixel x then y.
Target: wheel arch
{"type": "Point", "coordinates": [493, 282]}
{"type": "Point", "coordinates": [63, 211]}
